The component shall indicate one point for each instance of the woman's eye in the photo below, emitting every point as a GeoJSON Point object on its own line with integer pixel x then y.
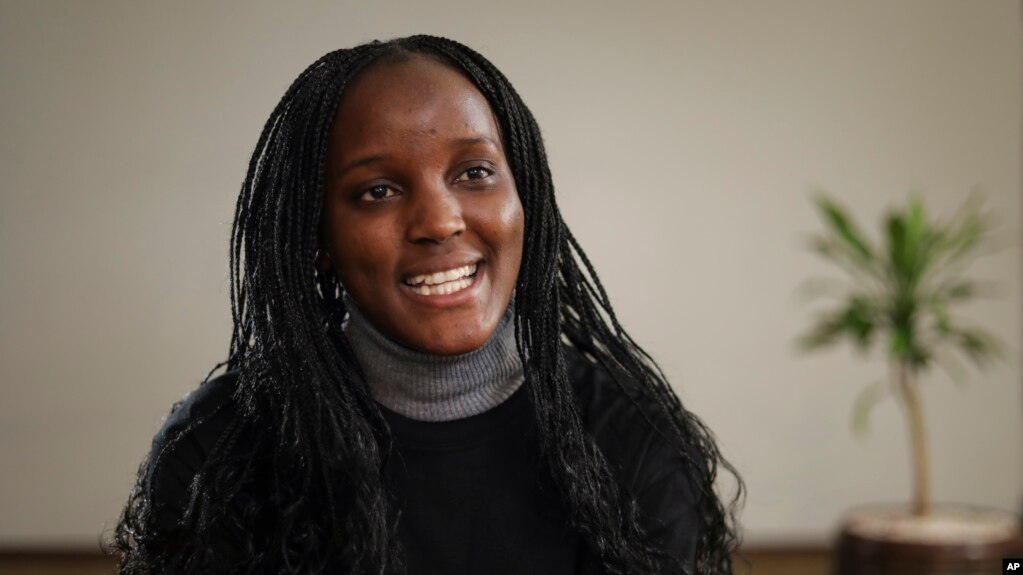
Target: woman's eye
{"type": "Point", "coordinates": [475, 173]}
{"type": "Point", "coordinates": [377, 193]}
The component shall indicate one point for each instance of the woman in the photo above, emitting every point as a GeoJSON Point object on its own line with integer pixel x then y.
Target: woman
{"type": "Point", "coordinates": [425, 373]}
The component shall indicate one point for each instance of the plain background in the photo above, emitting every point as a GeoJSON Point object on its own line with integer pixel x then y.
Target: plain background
{"type": "Point", "coordinates": [684, 138]}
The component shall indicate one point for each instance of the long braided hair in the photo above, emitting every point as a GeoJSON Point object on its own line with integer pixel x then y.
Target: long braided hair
{"type": "Point", "coordinates": [296, 482]}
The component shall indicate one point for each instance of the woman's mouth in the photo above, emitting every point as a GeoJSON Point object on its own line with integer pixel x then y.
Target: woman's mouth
{"type": "Point", "coordinates": [443, 282]}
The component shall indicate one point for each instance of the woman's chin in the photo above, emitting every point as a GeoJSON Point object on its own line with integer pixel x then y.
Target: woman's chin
{"type": "Point", "coordinates": [450, 338]}
{"type": "Point", "coordinates": [450, 324]}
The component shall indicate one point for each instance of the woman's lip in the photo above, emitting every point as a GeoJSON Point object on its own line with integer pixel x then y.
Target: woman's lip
{"type": "Point", "coordinates": [440, 264]}
{"type": "Point", "coordinates": [442, 276]}
{"type": "Point", "coordinates": [455, 299]}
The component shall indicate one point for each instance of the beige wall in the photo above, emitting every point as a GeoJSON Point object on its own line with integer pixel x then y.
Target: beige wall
{"type": "Point", "coordinates": [684, 137]}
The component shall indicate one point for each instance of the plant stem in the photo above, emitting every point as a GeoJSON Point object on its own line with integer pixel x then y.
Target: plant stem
{"type": "Point", "coordinates": [918, 439]}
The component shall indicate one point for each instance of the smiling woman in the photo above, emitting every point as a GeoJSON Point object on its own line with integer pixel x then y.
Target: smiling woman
{"type": "Point", "coordinates": [425, 374]}
{"type": "Point", "coordinates": [421, 212]}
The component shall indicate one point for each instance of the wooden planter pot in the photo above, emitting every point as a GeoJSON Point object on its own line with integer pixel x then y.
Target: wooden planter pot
{"type": "Point", "coordinates": [953, 540]}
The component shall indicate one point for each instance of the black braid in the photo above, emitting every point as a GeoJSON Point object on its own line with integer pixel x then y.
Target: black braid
{"type": "Point", "coordinates": [315, 443]}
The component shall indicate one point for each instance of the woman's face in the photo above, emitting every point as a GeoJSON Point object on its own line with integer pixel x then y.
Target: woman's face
{"type": "Point", "coordinates": [421, 217]}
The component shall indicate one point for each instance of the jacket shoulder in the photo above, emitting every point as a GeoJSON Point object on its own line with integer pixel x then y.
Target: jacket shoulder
{"type": "Point", "coordinates": [184, 442]}
{"type": "Point", "coordinates": [639, 437]}
{"type": "Point", "coordinates": [631, 426]}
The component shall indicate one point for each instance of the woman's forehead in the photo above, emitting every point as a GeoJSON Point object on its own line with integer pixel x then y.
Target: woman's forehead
{"type": "Point", "coordinates": [410, 100]}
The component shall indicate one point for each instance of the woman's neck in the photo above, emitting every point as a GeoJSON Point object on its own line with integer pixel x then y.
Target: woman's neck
{"type": "Point", "coordinates": [430, 387]}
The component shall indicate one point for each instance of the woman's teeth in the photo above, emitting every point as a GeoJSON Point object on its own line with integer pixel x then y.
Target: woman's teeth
{"type": "Point", "coordinates": [444, 288]}
{"type": "Point", "coordinates": [441, 283]}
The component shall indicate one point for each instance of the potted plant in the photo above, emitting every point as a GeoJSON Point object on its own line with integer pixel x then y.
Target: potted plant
{"type": "Point", "coordinates": [898, 298]}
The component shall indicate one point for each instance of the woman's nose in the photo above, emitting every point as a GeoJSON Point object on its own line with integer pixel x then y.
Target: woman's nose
{"type": "Point", "coordinates": [436, 215]}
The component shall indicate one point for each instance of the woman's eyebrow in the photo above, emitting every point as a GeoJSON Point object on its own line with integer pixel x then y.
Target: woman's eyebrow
{"type": "Point", "coordinates": [358, 163]}
{"type": "Point", "coordinates": [474, 140]}
{"type": "Point", "coordinates": [375, 158]}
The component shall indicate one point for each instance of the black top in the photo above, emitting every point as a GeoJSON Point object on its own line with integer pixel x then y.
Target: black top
{"type": "Point", "coordinates": [474, 497]}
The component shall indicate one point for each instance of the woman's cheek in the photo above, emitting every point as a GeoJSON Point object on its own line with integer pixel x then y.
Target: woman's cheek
{"type": "Point", "coordinates": [513, 221]}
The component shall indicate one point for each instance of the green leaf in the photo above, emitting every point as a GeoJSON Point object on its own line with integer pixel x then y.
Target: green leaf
{"type": "Point", "coordinates": [865, 401]}
{"type": "Point", "coordinates": [960, 290]}
{"type": "Point", "coordinates": [860, 319]}
{"type": "Point", "coordinates": [842, 225]}
{"type": "Point", "coordinates": [899, 343]}
{"type": "Point", "coordinates": [952, 368]}
{"type": "Point", "coordinates": [916, 246]}
{"type": "Point", "coordinates": [979, 345]}
{"type": "Point", "coordinates": [916, 227]}
{"type": "Point", "coordinates": [897, 261]}
{"type": "Point", "coordinates": [943, 322]}
{"type": "Point", "coordinates": [856, 319]}
{"type": "Point", "coordinates": [964, 232]}
{"type": "Point", "coordinates": [918, 358]}
{"type": "Point", "coordinates": [839, 253]}
{"type": "Point", "coordinates": [824, 333]}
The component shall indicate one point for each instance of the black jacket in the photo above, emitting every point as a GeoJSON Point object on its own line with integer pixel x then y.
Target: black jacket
{"type": "Point", "coordinates": [473, 493]}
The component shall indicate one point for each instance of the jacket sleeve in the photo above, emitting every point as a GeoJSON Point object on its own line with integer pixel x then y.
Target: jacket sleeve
{"type": "Point", "coordinates": [669, 513]}
{"type": "Point", "coordinates": [181, 448]}
{"type": "Point", "coordinates": [639, 440]}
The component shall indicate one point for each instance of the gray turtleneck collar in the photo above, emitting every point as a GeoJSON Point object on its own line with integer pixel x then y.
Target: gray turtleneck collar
{"type": "Point", "coordinates": [430, 387]}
